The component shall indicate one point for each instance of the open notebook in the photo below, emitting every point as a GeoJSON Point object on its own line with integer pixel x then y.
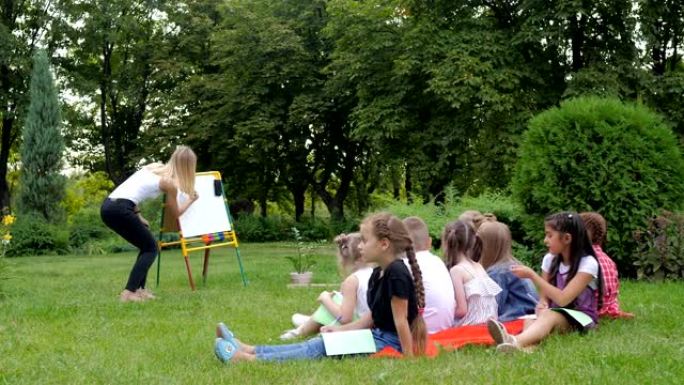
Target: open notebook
{"type": "Point", "coordinates": [349, 342]}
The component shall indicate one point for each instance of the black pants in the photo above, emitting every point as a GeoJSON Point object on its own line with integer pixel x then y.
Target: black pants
{"type": "Point", "coordinates": [119, 215]}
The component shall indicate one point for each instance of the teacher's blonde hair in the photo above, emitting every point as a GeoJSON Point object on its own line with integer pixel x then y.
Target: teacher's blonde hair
{"type": "Point", "coordinates": [180, 168]}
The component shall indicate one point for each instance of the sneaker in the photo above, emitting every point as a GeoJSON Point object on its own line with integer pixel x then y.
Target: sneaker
{"type": "Point", "coordinates": [224, 350]}
{"type": "Point", "coordinates": [289, 335]}
{"type": "Point", "coordinates": [129, 296]}
{"type": "Point", "coordinates": [507, 347]}
{"type": "Point", "coordinates": [299, 319]}
{"type": "Point", "coordinates": [498, 332]}
{"type": "Point", "coordinates": [145, 294]}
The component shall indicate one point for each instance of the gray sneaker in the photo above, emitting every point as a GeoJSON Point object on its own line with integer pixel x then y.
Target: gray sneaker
{"type": "Point", "coordinates": [498, 332]}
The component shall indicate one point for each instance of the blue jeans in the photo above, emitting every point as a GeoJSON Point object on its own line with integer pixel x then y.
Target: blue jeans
{"type": "Point", "coordinates": [314, 348]}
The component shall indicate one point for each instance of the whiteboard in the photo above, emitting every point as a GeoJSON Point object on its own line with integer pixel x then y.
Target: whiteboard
{"type": "Point", "coordinates": [207, 214]}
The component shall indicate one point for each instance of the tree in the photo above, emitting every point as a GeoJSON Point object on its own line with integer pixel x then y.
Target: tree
{"type": "Point", "coordinates": [22, 24]}
{"type": "Point", "coordinates": [42, 185]}
{"type": "Point", "coordinates": [113, 48]}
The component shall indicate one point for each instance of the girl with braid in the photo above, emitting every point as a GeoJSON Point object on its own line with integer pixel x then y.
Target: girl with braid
{"type": "Point", "coordinates": [475, 291]}
{"type": "Point", "coordinates": [395, 298]}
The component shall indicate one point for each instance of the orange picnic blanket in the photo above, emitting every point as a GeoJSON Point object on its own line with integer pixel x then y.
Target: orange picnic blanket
{"type": "Point", "coordinates": [454, 338]}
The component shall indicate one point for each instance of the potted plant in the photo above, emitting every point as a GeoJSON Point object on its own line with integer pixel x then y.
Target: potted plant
{"type": "Point", "coordinates": [302, 262]}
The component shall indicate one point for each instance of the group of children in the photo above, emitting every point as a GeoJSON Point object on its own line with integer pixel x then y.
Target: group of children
{"type": "Point", "coordinates": [401, 291]}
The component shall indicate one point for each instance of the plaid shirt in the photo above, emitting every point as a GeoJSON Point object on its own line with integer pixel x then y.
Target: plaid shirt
{"type": "Point", "coordinates": [611, 284]}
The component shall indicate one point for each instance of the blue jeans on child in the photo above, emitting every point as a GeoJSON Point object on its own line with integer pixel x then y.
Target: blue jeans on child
{"type": "Point", "coordinates": [314, 348]}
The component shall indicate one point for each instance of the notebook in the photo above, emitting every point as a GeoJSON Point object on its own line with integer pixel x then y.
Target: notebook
{"type": "Point", "coordinates": [349, 342]}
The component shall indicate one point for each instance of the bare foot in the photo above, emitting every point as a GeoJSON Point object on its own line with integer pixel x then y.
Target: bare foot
{"type": "Point", "coordinates": [145, 294]}
{"type": "Point", "coordinates": [243, 356]}
{"type": "Point", "coordinates": [249, 349]}
{"type": "Point", "coordinates": [129, 296]}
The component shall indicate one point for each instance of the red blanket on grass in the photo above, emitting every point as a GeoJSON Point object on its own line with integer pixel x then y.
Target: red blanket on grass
{"type": "Point", "coordinates": [454, 338]}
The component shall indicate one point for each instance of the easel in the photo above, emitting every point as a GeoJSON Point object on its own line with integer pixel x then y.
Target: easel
{"type": "Point", "coordinates": [206, 242]}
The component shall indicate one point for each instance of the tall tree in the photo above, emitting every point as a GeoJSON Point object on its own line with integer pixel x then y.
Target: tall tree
{"type": "Point", "coordinates": [22, 26]}
{"type": "Point", "coordinates": [113, 47]}
{"type": "Point", "coordinates": [42, 185]}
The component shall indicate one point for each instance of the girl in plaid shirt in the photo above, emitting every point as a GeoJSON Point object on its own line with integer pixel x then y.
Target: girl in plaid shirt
{"type": "Point", "coordinates": [596, 228]}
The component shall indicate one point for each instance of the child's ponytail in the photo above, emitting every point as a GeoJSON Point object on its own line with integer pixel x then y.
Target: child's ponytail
{"type": "Point", "coordinates": [418, 328]}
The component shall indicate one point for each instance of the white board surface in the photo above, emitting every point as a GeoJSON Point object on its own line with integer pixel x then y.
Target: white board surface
{"type": "Point", "coordinates": [207, 214]}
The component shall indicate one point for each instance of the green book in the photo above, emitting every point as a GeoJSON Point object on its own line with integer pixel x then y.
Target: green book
{"type": "Point", "coordinates": [323, 316]}
{"type": "Point", "coordinates": [578, 316]}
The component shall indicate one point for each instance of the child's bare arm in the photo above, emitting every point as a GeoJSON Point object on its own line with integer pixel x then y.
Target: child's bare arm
{"type": "Point", "coordinates": [400, 316]}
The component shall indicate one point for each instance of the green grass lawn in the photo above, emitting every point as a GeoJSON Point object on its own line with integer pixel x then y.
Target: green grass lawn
{"type": "Point", "coordinates": [62, 323]}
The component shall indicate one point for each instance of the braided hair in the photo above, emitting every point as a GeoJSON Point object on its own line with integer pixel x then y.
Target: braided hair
{"type": "Point", "coordinates": [388, 226]}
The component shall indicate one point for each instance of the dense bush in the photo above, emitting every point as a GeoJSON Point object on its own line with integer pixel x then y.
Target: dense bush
{"type": "Point", "coordinates": [600, 155]}
{"type": "Point", "coordinates": [33, 235]}
{"type": "Point", "coordinates": [437, 215]}
{"type": "Point", "coordinates": [84, 191]}
{"type": "Point", "coordinates": [660, 251]}
{"type": "Point", "coordinates": [253, 228]}
{"type": "Point", "coordinates": [87, 225]}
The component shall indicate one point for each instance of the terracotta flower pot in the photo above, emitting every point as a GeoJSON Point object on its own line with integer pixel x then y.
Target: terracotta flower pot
{"type": "Point", "coordinates": [301, 278]}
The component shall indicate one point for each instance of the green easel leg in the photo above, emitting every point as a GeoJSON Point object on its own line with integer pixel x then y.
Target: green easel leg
{"type": "Point", "coordinates": [242, 271]}
{"type": "Point", "coordinates": [158, 266]}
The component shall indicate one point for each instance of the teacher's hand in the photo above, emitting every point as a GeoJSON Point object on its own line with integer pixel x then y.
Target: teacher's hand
{"type": "Point", "coordinates": [194, 196]}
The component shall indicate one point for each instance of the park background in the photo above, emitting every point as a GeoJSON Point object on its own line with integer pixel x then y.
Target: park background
{"type": "Point", "coordinates": [316, 113]}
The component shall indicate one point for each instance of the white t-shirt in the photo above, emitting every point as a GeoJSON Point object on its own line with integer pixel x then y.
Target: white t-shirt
{"type": "Point", "coordinates": [363, 275]}
{"type": "Point", "coordinates": [142, 185]}
{"type": "Point", "coordinates": [439, 292]}
{"type": "Point", "coordinates": [588, 265]}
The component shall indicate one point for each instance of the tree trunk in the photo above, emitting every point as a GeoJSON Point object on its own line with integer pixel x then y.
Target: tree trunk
{"type": "Point", "coordinates": [299, 196]}
{"type": "Point", "coordinates": [6, 143]}
{"type": "Point", "coordinates": [577, 33]}
{"type": "Point", "coordinates": [263, 205]}
{"type": "Point", "coordinates": [408, 184]}
{"type": "Point", "coordinates": [313, 203]}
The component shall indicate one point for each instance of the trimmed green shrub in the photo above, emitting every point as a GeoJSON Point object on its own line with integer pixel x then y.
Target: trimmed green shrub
{"type": "Point", "coordinates": [594, 154]}
{"type": "Point", "coordinates": [33, 235]}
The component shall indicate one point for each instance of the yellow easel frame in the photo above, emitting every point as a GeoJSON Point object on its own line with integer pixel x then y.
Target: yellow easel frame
{"type": "Point", "coordinates": [170, 224]}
